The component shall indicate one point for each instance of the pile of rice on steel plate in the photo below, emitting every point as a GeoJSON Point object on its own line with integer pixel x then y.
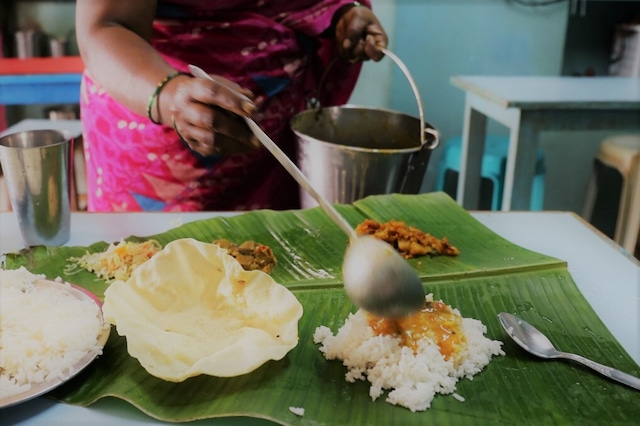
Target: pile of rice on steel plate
{"type": "Point", "coordinates": [415, 357]}
{"type": "Point", "coordinates": [44, 331]}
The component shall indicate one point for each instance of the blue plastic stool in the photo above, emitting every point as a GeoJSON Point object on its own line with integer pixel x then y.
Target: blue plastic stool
{"type": "Point", "coordinates": [492, 172]}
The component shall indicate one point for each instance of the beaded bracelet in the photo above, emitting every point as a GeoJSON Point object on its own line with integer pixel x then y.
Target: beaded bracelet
{"type": "Point", "coordinates": [157, 91]}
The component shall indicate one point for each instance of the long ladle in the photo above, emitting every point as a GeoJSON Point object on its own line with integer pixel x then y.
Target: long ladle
{"type": "Point", "coordinates": [376, 277]}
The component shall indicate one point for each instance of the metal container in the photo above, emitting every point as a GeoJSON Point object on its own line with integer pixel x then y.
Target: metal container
{"type": "Point", "coordinates": [349, 152]}
{"type": "Point", "coordinates": [31, 44]}
{"type": "Point", "coordinates": [37, 165]}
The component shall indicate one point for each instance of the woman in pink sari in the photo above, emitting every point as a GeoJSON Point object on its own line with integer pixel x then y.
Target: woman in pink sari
{"type": "Point", "coordinates": [156, 138]}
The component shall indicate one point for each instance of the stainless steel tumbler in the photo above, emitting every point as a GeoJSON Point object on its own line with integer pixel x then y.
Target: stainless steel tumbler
{"type": "Point", "coordinates": [37, 165]}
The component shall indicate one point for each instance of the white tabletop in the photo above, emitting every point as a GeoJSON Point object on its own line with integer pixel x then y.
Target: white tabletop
{"type": "Point", "coordinates": [554, 92]}
{"type": "Point", "coordinates": [608, 277]}
{"type": "Point", "coordinates": [73, 126]}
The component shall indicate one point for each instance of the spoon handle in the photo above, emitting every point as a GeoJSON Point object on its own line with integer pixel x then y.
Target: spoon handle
{"type": "Point", "coordinates": [302, 180]}
{"type": "Point", "coordinates": [609, 372]}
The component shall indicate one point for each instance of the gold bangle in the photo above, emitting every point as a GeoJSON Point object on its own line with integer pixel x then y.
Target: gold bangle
{"type": "Point", "coordinates": [157, 91]}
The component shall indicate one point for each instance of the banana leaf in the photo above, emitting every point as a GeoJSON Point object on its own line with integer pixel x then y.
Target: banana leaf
{"type": "Point", "coordinates": [489, 276]}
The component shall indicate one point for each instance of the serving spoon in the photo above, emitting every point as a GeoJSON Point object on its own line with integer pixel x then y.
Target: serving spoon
{"type": "Point", "coordinates": [533, 341]}
{"type": "Point", "coordinates": [376, 277]}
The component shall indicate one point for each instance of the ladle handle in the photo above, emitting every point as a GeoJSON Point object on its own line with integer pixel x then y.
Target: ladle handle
{"type": "Point", "coordinates": [609, 372]}
{"type": "Point", "coordinates": [286, 162]}
{"type": "Point", "coordinates": [302, 180]}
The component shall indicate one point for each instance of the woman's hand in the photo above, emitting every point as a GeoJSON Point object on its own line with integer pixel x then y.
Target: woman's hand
{"type": "Point", "coordinates": [359, 34]}
{"type": "Point", "coordinates": [207, 114]}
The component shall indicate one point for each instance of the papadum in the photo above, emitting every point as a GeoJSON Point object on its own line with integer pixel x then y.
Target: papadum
{"type": "Point", "coordinates": [191, 309]}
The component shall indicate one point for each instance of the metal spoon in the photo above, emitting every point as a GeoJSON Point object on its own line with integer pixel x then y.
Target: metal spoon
{"type": "Point", "coordinates": [533, 341]}
{"type": "Point", "coordinates": [376, 277]}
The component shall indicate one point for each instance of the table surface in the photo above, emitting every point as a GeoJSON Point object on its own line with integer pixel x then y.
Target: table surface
{"type": "Point", "coordinates": [607, 276]}
{"type": "Point", "coordinates": [554, 92]}
{"type": "Point", "coordinates": [73, 126]}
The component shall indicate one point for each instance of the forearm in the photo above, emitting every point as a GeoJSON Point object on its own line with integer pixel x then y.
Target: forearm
{"type": "Point", "coordinates": [125, 65]}
{"type": "Point", "coordinates": [113, 37]}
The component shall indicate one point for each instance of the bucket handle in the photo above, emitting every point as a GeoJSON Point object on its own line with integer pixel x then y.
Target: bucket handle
{"type": "Point", "coordinates": [435, 140]}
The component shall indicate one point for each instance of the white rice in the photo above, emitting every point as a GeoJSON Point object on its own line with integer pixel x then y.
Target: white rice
{"type": "Point", "coordinates": [412, 379]}
{"type": "Point", "coordinates": [298, 411]}
{"type": "Point", "coordinates": [44, 332]}
{"type": "Point", "coordinates": [458, 397]}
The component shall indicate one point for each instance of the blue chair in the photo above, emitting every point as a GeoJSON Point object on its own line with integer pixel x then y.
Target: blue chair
{"type": "Point", "coordinates": [492, 172]}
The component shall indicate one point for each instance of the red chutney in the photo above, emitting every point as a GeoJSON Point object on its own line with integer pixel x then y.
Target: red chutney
{"type": "Point", "coordinates": [435, 320]}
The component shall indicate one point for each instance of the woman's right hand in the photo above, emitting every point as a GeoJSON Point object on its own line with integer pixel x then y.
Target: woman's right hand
{"type": "Point", "coordinates": [207, 114]}
{"type": "Point", "coordinates": [113, 40]}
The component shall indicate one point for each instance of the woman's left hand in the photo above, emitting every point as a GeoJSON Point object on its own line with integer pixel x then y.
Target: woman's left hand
{"type": "Point", "coordinates": [359, 34]}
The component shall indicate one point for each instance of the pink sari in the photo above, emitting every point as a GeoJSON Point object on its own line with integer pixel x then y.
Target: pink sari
{"type": "Point", "coordinates": [272, 49]}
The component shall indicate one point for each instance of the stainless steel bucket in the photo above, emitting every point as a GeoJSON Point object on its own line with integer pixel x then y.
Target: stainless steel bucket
{"type": "Point", "coordinates": [349, 152]}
